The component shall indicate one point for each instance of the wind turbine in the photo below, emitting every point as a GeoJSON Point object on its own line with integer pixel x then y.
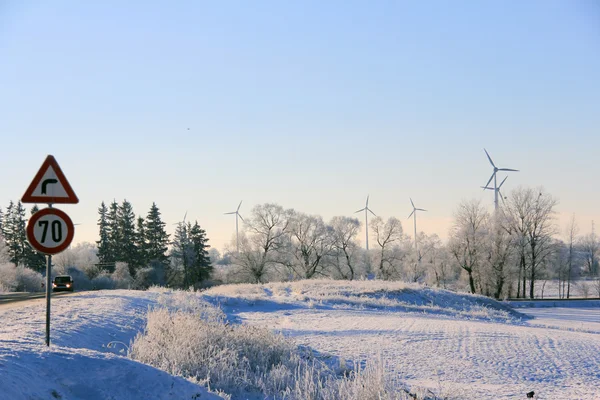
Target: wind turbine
{"type": "Point", "coordinates": [367, 210]}
{"type": "Point", "coordinates": [414, 215]}
{"type": "Point", "coordinates": [237, 214]}
{"type": "Point", "coordinates": [498, 189]}
{"type": "Point", "coordinates": [184, 216]}
{"type": "Point", "coordinates": [496, 169]}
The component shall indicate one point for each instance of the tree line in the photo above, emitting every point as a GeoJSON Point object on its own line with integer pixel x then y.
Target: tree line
{"type": "Point", "coordinates": [144, 245]}
{"type": "Point", "coordinates": [504, 253]}
{"type": "Point", "coordinates": [14, 246]}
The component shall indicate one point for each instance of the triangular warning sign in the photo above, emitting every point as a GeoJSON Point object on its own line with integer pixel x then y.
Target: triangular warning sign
{"type": "Point", "coordinates": [50, 186]}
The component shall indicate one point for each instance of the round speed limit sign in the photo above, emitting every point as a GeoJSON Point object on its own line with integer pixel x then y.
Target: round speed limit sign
{"type": "Point", "coordinates": [50, 231]}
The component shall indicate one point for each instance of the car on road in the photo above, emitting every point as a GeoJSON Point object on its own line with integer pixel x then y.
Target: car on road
{"type": "Point", "coordinates": [63, 282]}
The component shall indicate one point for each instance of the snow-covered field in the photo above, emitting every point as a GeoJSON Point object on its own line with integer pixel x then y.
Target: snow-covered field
{"type": "Point", "coordinates": [447, 345]}
{"type": "Point", "coordinates": [80, 364]}
{"type": "Point", "coordinates": [457, 346]}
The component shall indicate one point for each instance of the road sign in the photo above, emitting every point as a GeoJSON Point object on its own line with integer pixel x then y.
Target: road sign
{"type": "Point", "coordinates": [50, 186]}
{"type": "Point", "coordinates": [50, 231]}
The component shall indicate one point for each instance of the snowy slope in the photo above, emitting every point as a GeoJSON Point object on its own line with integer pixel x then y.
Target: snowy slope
{"type": "Point", "coordinates": [79, 364]}
{"type": "Point", "coordinates": [449, 347]}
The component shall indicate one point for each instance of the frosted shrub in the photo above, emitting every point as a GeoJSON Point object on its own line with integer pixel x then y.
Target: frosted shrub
{"type": "Point", "coordinates": [103, 281]}
{"type": "Point", "coordinates": [19, 279]}
{"type": "Point", "coordinates": [121, 277]}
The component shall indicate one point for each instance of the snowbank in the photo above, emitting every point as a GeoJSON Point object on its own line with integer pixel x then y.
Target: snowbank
{"type": "Point", "coordinates": [397, 296]}
{"type": "Point", "coordinates": [80, 364]}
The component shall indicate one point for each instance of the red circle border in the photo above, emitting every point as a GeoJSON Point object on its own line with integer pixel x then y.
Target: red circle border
{"type": "Point", "coordinates": [50, 250]}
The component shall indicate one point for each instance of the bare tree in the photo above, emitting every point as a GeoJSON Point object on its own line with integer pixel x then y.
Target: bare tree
{"type": "Point", "coordinates": [310, 243]}
{"type": "Point", "coordinates": [265, 236]}
{"type": "Point", "coordinates": [516, 214]}
{"type": "Point", "coordinates": [387, 234]}
{"type": "Point", "coordinates": [572, 230]}
{"type": "Point", "coordinates": [467, 237]}
{"type": "Point", "coordinates": [436, 259]}
{"type": "Point", "coordinates": [499, 246]}
{"type": "Point", "coordinates": [590, 247]}
{"type": "Point", "coordinates": [343, 231]}
{"type": "Point", "coordinates": [540, 232]}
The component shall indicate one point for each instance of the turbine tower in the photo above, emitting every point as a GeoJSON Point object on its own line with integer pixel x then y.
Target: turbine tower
{"type": "Point", "coordinates": [367, 210]}
{"type": "Point", "coordinates": [414, 215]}
{"type": "Point", "coordinates": [237, 214]}
{"type": "Point", "coordinates": [498, 189]}
{"type": "Point", "coordinates": [496, 169]}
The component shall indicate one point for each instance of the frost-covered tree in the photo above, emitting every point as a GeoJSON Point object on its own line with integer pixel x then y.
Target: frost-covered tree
{"type": "Point", "coordinates": [343, 231]}
{"type": "Point", "coordinates": [572, 231]}
{"type": "Point", "coordinates": [263, 242]}
{"type": "Point", "coordinates": [4, 253]}
{"type": "Point", "coordinates": [388, 236]}
{"type": "Point", "coordinates": [590, 246]}
{"type": "Point", "coordinates": [467, 237]}
{"type": "Point", "coordinates": [310, 242]}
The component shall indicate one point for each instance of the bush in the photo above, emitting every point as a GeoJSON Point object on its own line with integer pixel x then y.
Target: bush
{"type": "Point", "coordinates": [19, 279]}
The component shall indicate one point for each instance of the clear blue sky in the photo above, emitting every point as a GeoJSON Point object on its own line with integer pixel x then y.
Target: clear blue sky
{"type": "Point", "coordinates": [309, 104]}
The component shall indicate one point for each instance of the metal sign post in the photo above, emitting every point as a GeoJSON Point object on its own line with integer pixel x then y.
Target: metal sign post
{"type": "Point", "coordinates": [48, 294]}
{"type": "Point", "coordinates": [50, 230]}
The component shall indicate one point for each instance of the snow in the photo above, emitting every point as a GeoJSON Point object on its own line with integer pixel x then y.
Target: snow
{"type": "Point", "coordinates": [455, 345]}
{"type": "Point", "coordinates": [80, 364]}
{"type": "Point", "coordinates": [463, 354]}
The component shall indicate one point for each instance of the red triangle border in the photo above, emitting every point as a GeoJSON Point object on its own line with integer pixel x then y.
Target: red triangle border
{"type": "Point", "coordinates": [28, 197]}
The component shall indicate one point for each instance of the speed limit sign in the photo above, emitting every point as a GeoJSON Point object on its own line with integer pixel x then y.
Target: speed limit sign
{"type": "Point", "coordinates": [50, 231]}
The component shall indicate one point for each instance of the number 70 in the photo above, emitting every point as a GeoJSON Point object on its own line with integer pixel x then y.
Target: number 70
{"type": "Point", "coordinates": [55, 228]}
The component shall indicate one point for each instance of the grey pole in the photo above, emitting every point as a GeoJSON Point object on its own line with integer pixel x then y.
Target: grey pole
{"type": "Point", "coordinates": [48, 294]}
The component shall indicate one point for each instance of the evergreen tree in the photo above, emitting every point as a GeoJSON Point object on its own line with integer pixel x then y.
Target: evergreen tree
{"type": "Point", "coordinates": [127, 234]}
{"type": "Point", "coordinates": [190, 253]}
{"type": "Point", "coordinates": [104, 250]}
{"type": "Point", "coordinates": [157, 239]}
{"type": "Point", "coordinates": [141, 242]}
{"type": "Point", "coordinates": [114, 242]}
{"type": "Point", "coordinates": [202, 268]}
{"type": "Point", "coordinates": [15, 234]}
{"type": "Point", "coordinates": [34, 259]}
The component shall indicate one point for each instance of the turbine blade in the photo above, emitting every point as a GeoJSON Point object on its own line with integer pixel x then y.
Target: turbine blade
{"type": "Point", "coordinates": [411, 202]}
{"type": "Point", "coordinates": [233, 212]}
{"type": "Point", "coordinates": [411, 214]}
{"type": "Point", "coordinates": [508, 169]}
{"type": "Point", "coordinates": [238, 209]}
{"type": "Point", "coordinates": [491, 177]}
{"type": "Point", "coordinates": [485, 187]}
{"type": "Point", "coordinates": [362, 209]}
{"type": "Point", "coordinates": [421, 209]}
{"type": "Point", "coordinates": [239, 215]}
{"type": "Point", "coordinates": [502, 183]}
{"type": "Point", "coordinates": [489, 158]}
{"type": "Point", "coordinates": [502, 197]}
{"type": "Point", "coordinates": [367, 203]}
{"type": "Point", "coordinates": [185, 215]}
{"type": "Point", "coordinates": [371, 211]}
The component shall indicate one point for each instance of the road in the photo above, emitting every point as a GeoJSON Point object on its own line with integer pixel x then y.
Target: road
{"type": "Point", "coordinates": [11, 298]}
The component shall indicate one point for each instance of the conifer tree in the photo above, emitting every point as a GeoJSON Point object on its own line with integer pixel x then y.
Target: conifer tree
{"type": "Point", "coordinates": [127, 234]}
{"type": "Point", "coordinates": [34, 259]}
{"type": "Point", "coordinates": [15, 234]}
{"type": "Point", "coordinates": [157, 239]}
{"type": "Point", "coordinates": [190, 253]}
{"type": "Point", "coordinates": [141, 242]}
{"type": "Point", "coordinates": [114, 246]}
{"type": "Point", "coordinates": [1, 222]}
{"type": "Point", "coordinates": [104, 250]}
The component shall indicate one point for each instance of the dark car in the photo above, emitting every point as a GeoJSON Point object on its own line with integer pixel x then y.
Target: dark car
{"type": "Point", "coordinates": [63, 282]}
